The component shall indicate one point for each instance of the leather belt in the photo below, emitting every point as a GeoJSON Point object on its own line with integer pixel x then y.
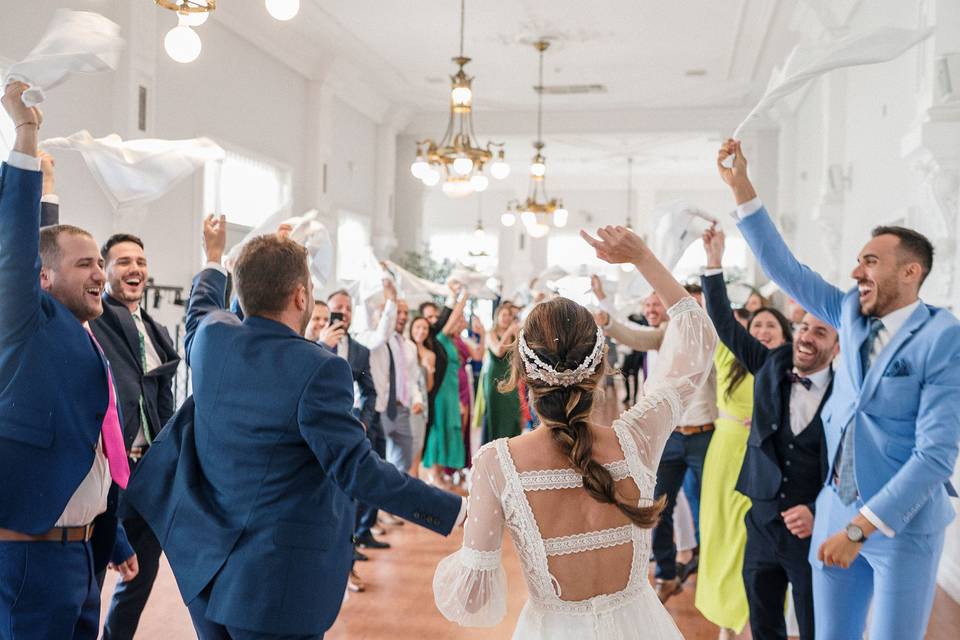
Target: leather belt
{"type": "Point", "coordinates": [690, 430]}
{"type": "Point", "coordinates": [57, 534]}
{"type": "Point", "coordinates": [138, 452]}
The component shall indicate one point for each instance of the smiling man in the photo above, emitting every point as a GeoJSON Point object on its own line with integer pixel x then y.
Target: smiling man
{"type": "Point", "coordinates": [892, 425]}
{"type": "Point", "coordinates": [144, 363]}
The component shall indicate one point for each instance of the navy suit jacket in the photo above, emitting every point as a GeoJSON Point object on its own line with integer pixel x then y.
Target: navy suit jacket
{"type": "Point", "coordinates": [53, 382]}
{"type": "Point", "coordinates": [359, 358]}
{"type": "Point", "coordinates": [249, 487]}
{"type": "Point", "coordinates": [760, 476]}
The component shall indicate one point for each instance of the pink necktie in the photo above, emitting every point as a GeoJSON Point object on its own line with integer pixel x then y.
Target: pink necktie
{"type": "Point", "coordinates": [113, 446]}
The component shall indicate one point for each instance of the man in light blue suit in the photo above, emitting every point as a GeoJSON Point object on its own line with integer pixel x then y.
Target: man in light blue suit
{"type": "Point", "coordinates": [892, 425]}
{"type": "Point", "coordinates": [249, 487]}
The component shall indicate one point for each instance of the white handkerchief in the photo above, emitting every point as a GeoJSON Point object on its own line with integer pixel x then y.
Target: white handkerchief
{"type": "Point", "coordinates": [136, 172]}
{"type": "Point", "coordinates": [75, 42]}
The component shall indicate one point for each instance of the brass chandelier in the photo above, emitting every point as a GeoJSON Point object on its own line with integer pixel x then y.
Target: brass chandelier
{"type": "Point", "coordinates": [538, 208]}
{"type": "Point", "coordinates": [457, 158]}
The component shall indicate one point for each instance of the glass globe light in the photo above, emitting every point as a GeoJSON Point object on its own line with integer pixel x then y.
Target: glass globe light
{"type": "Point", "coordinates": [538, 230]}
{"type": "Point", "coordinates": [182, 44]}
{"type": "Point", "coordinates": [538, 169]}
{"type": "Point", "coordinates": [192, 19]}
{"type": "Point", "coordinates": [461, 96]}
{"type": "Point", "coordinates": [283, 9]}
{"type": "Point", "coordinates": [500, 169]}
{"type": "Point", "coordinates": [560, 218]}
{"type": "Point", "coordinates": [430, 177]}
{"type": "Point", "coordinates": [508, 219]}
{"type": "Point", "coordinates": [529, 218]}
{"type": "Point", "coordinates": [479, 233]}
{"type": "Point", "coordinates": [480, 182]}
{"type": "Point", "coordinates": [462, 165]}
{"type": "Point", "coordinates": [419, 168]}
{"type": "Point", "coordinates": [457, 187]}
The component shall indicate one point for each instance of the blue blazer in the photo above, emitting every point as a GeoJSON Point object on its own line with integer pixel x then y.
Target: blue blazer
{"type": "Point", "coordinates": [359, 358]}
{"type": "Point", "coordinates": [761, 475]}
{"type": "Point", "coordinates": [249, 488]}
{"type": "Point", "coordinates": [906, 407]}
{"type": "Point", "coordinates": [53, 382]}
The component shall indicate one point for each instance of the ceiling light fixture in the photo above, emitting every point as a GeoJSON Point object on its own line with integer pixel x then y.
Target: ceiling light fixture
{"type": "Point", "coordinates": [283, 10]}
{"type": "Point", "coordinates": [182, 43]}
{"type": "Point", "coordinates": [538, 206]}
{"type": "Point", "coordinates": [458, 158]}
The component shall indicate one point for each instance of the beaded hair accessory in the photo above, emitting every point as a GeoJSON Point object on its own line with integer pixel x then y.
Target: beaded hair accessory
{"type": "Point", "coordinates": [537, 369]}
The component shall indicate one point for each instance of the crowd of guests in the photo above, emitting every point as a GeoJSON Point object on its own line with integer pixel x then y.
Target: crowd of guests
{"type": "Point", "coordinates": [742, 476]}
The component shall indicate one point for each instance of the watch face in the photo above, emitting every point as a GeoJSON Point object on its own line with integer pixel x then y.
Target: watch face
{"type": "Point", "coordinates": [854, 533]}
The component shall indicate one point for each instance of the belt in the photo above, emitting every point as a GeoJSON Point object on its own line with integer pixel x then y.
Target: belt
{"type": "Point", "coordinates": [57, 534]}
{"type": "Point", "coordinates": [694, 429]}
{"type": "Point", "coordinates": [138, 452]}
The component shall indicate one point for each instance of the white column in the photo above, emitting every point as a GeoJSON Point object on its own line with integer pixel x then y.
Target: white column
{"type": "Point", "coordinates": [408, 199]}
{"type": "Point", "coordinates": [385, 241]}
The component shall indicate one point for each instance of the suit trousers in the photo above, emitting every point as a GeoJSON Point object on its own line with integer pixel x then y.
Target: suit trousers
{"type": "Point", "coordinates": [774, 558]}
{"type": "Point", "coordinates": [129, 598]}
{"type": "Point", "coordinates": [680, 453]}
{"type": "Point", "coordinates": [898, 575]}
{"type": "Point", "coordinates": [399, 438]}
{"type": "Point", "coordinates": [367, 514]}
{"type": "Point", "coordinates": [48, 590]}
{"type": "Point", "coordinates": [210, 630]}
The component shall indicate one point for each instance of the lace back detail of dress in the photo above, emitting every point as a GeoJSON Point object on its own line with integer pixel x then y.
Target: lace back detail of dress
{"type": "Point", "coordinates": [591, 541]}
{"type": "Point", "coordinates": [546, 479]}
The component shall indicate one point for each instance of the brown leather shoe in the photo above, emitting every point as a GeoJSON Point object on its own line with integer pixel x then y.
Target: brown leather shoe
{"type": "Point", "coordinates": [355, 584]}
{"type": "Point", "coordinates": [666, 589]}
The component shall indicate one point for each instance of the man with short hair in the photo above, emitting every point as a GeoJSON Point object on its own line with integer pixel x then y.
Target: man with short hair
{"type": "Point", "coordinates": [892, 424]}
{"type": "Point", "coordinates": [61, 442]}
{"type": "Point", "coordinates": [251, 485]}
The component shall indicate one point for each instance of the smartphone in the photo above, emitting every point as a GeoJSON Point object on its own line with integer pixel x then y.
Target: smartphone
{"type": "Point", "coordinates": [335, 316]}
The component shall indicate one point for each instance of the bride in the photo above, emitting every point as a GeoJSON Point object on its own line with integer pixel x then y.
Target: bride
{"type": "Point", "coordinates": [575, 496]}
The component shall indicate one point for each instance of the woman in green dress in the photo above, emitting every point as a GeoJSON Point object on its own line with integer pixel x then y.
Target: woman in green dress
{"type": "Point", "coordinates": [445, 446]}
{"type": "Point", "coordinates": [501, 410]}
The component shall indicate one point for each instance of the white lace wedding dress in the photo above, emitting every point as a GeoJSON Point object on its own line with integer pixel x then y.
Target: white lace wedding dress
{"type": "Point", "coordinates": [584, 563]}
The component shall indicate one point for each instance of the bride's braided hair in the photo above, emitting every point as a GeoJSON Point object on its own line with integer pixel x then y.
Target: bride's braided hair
{"type": "Point", "coordinates": [563, 335]}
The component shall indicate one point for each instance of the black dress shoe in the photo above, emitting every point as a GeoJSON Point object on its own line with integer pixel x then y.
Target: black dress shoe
{"type": "Point", "coordinates": [367, 541]}
{"type": "Point", "coordinates": [359, 556]}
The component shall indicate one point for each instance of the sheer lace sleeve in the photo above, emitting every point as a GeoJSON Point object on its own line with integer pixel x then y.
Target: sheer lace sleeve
{"type": "Point", "coordinates": [683, 364]}
{"type": "Point", "coordinates": [470, 586]}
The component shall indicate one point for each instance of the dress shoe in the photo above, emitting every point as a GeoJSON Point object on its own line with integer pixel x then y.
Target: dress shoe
{"type": "Point", "coordinates": [367, 541]}
{"type": "Point", "coordinates": [666, 589]}
{"type": "Point", "coordinates": [378, 530]}
{"type": "Point", "coordinates": [687, 569]}
{"type": "Point", "coordinates": [355, 584]}
{"type": "Point", "coordinates": [357, 556]}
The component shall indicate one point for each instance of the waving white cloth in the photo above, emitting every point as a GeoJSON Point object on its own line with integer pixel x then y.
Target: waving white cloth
{"type": "Point", "coordinates": [75, 42]}
{"type": "Point", "coordinates": [308, 231]}
{"type": "Point", "coordinates": [136, 172]}
{"type": "Point", "coordinates": [811, 60]}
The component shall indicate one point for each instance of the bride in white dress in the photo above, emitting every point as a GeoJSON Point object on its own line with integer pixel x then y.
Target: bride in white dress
{"type": "Point", "coordinates": [575, 496]}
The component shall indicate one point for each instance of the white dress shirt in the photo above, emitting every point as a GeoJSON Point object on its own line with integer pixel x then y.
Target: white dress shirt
{"type": "Point", "coordinates": [380, 371]}
{"type": "Point", "coordinates": [805, 402]}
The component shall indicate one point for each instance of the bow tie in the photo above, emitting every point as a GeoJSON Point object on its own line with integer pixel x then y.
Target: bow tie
{"type": "Point", "coordinates": [797, 379]}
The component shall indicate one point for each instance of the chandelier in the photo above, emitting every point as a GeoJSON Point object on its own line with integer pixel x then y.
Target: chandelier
{"type": "Point", "coordinates": [538, 208]}
{"type": "Point", "coordinates": [457, 158]}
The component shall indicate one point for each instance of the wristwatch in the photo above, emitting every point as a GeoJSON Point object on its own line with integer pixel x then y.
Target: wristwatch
{"type": "Point", "coordinates": [855, 534]}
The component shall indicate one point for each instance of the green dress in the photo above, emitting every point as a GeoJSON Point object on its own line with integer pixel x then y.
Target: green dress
{"type": "Point", "coordinates": [502, 409]}
{"type": "Point", "coordinates": [721, 596]}
{"type": "Point", "coordinates": [445, 445]}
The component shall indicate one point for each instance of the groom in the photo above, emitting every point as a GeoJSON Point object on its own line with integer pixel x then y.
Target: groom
{"type": "Point", "coordinates": [250, 487]}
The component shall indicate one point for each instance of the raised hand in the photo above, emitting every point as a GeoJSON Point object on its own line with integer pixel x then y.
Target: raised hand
{"type": "Point", "coordinates": [617, 245]}
{"type": "Point", "coordinates": [736, 176]}
{"type": "Point", "coordinates": [284, 230]}
{"type": "Point", "coordinates": [389, 289]}
{"type": "Point", "coordinates": [48, 167]}
{"type": "Point", "coordinates": [714, 241]}
{"type": "Point", "coordinates": [26, 120]}
{"type": "Point", "coordinates": [596, 284]}
{"type": "Point", "coordinates": [214, 236]}
{"type": "Point", "coordinates": [331, 334]}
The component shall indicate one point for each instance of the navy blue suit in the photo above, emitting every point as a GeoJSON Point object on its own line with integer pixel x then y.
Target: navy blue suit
{"type": "Point", "coordinates": [780, 471]}
{"type": "Point", "coordinates": [53, 396]}
{"type": "Point", "coordinates": [249, 487]}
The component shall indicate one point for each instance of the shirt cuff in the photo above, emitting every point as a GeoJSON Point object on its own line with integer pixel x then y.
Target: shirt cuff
{"type": "Point", "coordinates": [23, 161]}
{"type": "Point", "coordinates": [215, 265]}
{"type": "Point", "coordinates": [712, 272]}
{"type": "Point", "coordinates": [463, 513]}
{"type": "Point", "coordinates": [749, 208]}
{"type": "Point", "coordinates": [51, 199]}
{"type": "Point", "coordinates": [877, 522]}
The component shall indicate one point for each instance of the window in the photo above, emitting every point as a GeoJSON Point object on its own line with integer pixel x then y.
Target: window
{"type": "Point", "coordinates": [247, 189]}
{"type": "Point", "coordinates": [468, 248]}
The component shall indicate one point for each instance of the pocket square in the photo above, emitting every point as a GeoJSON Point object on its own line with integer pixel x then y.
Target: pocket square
{"type": "Point", "coordinates": [897, 369]}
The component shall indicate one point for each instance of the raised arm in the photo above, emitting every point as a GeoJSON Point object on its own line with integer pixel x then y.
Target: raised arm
{"type": "Point", "coordinates": [801, 283]}
{"type": "Point", "coordinates": [744, 346]}
{"type": "Point", "coordinates": [20, 184]}
{"type": "Point", "coordinates": [470, 586]}
{"type": "Point", "coordinates": [636, 338]}
{"type": "Point", "coordinates": [210, 285]}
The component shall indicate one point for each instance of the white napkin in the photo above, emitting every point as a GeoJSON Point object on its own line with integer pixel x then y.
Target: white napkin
{"type": "Point", "coordinates": [813, 59]}
{"type": "Point", "coordinates": [136, 172]}
{"type": "Point", "coordinates": [75, 42]}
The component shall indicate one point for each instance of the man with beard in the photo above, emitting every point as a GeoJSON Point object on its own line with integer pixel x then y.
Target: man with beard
{"type": "Point", "coordinates": [892, 425]}
{"type": "Point", "coordinates": [786, 461]}
{"type": "Point", "coordinates": [61, 443]}
{"type": "Point", "coordinates": [144, 363]}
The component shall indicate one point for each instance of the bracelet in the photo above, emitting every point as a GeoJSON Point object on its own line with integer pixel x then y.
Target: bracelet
{"type": "Point", "coordinates": [23, 124]}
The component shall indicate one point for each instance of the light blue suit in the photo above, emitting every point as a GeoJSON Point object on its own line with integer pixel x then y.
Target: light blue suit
{"type": "Point", "coordinates": [906, 416]}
